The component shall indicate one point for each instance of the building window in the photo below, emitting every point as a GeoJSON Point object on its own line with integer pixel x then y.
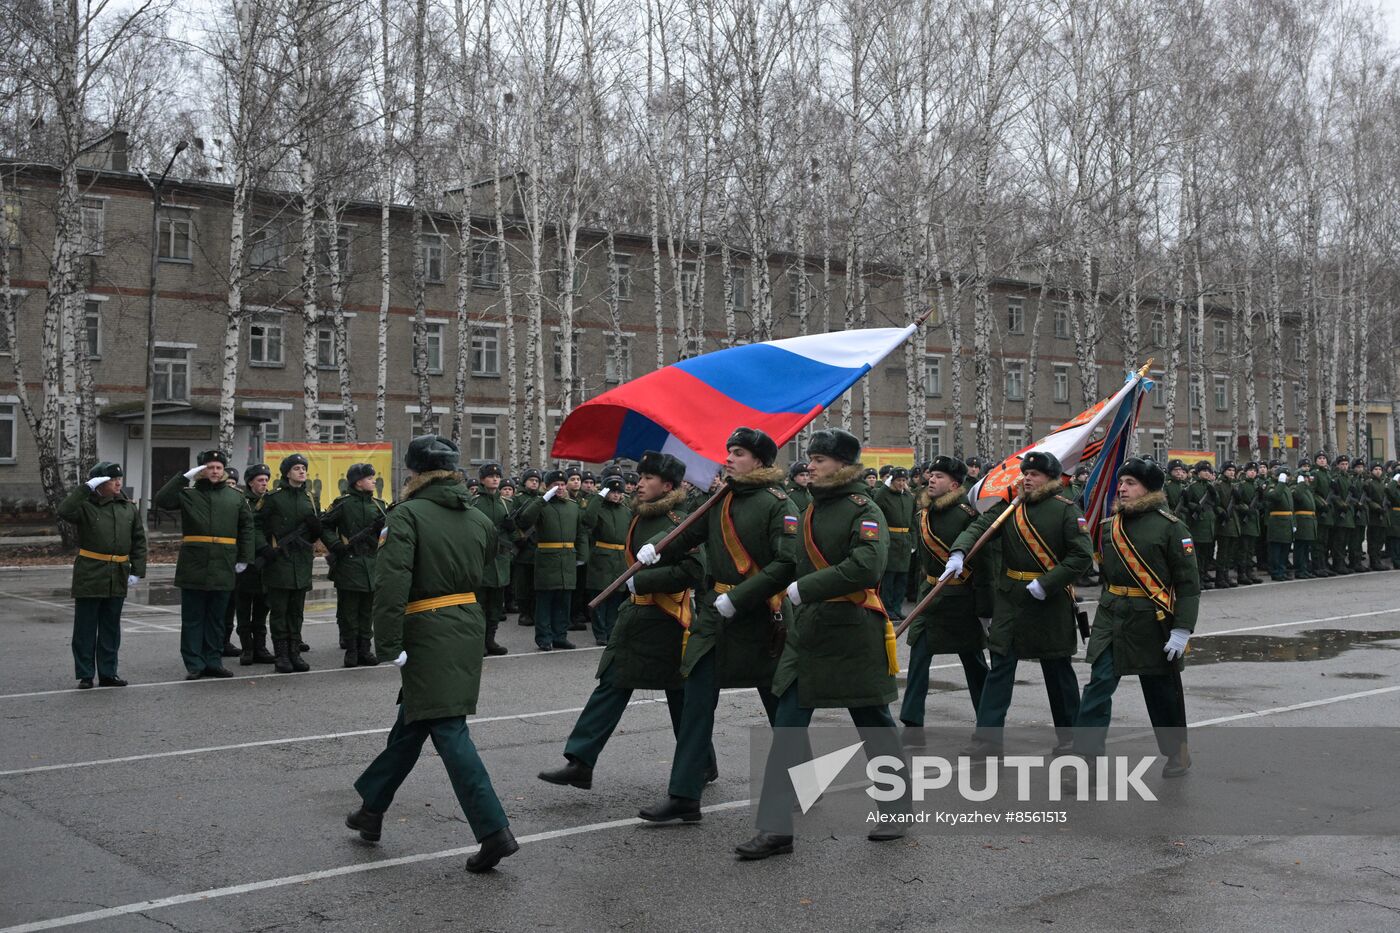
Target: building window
{"type": "Point", "coordinates": [559, 357]}
{"type": "Point", "coordinates": [486, 351]}
{"type": "Point", "coordinates": [430, 245]}
{"type": "Point", "coordinates": [1194, 395]}
{"type": "Point", "coordinates": [580, 275]}
{"type": "Point", "coordinates": [1061, 319]}
{"type": "Point", "coordinates": [483, 439]}
{"type": "Point", "coordinates": [172, 383]}
{"type": "Point", "coordinates": [690, 283]}
{"type": "Point", "coordinates": [739, 289]}
{"type": "Point", "coordinates": [272, 428]}
{"type": "Point", "coordinates": [1015, 439]}
{"type": "Point", "coordinates": [486, 265]}
{"type": "Point", "coordinates": [1159, 448]}
{"type": "Point", "coordinates": [1159, 330]}
{"type": "Point", "coordinates": [433, 335]}
{"type": "Point", "coordinates": [798, 284]}
{"type": "Point", "coordinates": [1222, 447]}
{"type": "Point", "coordinates": [1220, 334]}
{"type": "Point", "coordinates": [9, 422]}
{"type": "Point", "coordinates": [1222, 393]}
{"type": "Point", "coordinates": [1300, 404]}
{"type": "Point", "coordinates": [1297, 345]}
{"type": "Point", "coordinates": [1062, 383]}
{"type": "Point", "coordinates": [1015, 316]}
{"type": "Point", "coordinates": [265, 248]}
{"type": "Point", "coordinates": [1015, 380]}
{"type": "Point", "coordinates": [618, 366]}
{"type": "Point", "coordinates": [325, 346]}
{"type": "Point", "coordinates": [1159, 390]}
{"type": "Point", "coordinates": [933, 376]}
{"type": "Point", "coordinates": [264, 344]}
{"type": "Point", "coordinates": [933, 441]}
{"type": "Point", "coordinates": [622, 275]}
{"type": "Point", "coordinates": [418, 425]}
{"type": "Point", "coordinates": [94, 226]}
{"type": "Point", "coordinates": [92, 328]}
{"type": "Point", "coordinates": [342, 246]}
{"type": "Point", "coordinates": [332, 421]}
{"type": "Point", "coordinates": [176, 238]}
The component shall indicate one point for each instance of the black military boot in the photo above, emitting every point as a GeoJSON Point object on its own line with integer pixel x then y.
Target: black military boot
{"type": "Point", "coordinates": [283, 660]}
{"type": "Point", "coordinates": [245, 656]}
{"type": "Point", "coordinates": [365, 648]}
{"type": "Point", "coordinates": [294, 656]}
{"type": "Point", "coordinates": [574, 774]}
{"type": "Point", "coordinates": [764, 845]}
{"type": "Point", "coordinates": [500, 844]}
{"type": "Point", "coordinates": [229, 651]}
{"type": "Point", "coordinates": [494, 647]}
{"type": "Point", "coordinates": [260, 653]}
{"type": "Point", "coordinates": [673, 808]}
{"type": "Point", "coordinates": [352, 655]}
{"type": "Point", "coordinates": [366, 822]}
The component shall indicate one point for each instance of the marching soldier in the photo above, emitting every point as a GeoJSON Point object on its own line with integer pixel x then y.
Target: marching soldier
{"type": "Point", "coordinates": [796, 486]}
{"type": "Point", "coordinates": [291, 522]}
{"type": "Point", "coordinates": [350, 531]}
{"type": "Point", "coordinates": [111, 560]}
{"type": "Point", "coordinates": [897, 504]}
{"type": "Point", "coordinates": [249, 602]}
{"type": "Point", "coordinates": [842, 651]}
{"type": "Point", "coordinates": [1279, 500]}
{"type": "Point", "coordinates": [1177, 479]}
{"type": "Point", "coordinates": [1377, 519]}
{"type": "Point", "coordinates": [1304, 524]}
{"type": "Point", "coordinates": [606, 522]}
{"type": "Point", "coordinates": [644, 649]}
{"type": "Point", "coordinates": [1145, 616]}
{"type": "Point", "coordinates": [559, 538]}
{"type": "Point", "coordinates": [215, 547]}
{"type": "Point", "coordinates": [954, 622]}
{"type": "Point", "coordinates": [737, 635]}
{"type": "Point", "coordinates": [1343, 518]}
{"type": "Point", "coordinates": [523, 571]}
{"type": "Point", "coordinates": [1198, 501]}
{"type": "Point", "coordinates": [1227, 528]}
{"type": "Point", "coordinates": [1045, 547]}
{"type": "Point", "coordinates": [426, 617]}
{"type": "Point", "coordinates": [495, 576]}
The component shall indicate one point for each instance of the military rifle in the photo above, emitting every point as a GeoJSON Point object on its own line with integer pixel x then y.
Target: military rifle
{"type": "Point", "coordinates": [296, 537]}
{"type": "Point", "coordinates": [347, 547]}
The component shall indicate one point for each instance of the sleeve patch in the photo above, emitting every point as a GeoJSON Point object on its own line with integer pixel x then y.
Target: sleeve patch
{"type": "Point", "coordinates": [869, 530]}
{"type": "Point", "coordinates": [1188, 546]}
{"type": "Point", "coordinates": [789, 524]}
{"type": "Point", "coordinates": [1083, 524]}
{"type": "Point", "coordinates": [383, 535]}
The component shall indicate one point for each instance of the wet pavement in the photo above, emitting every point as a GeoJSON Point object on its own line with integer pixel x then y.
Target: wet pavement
{"type": "Point", "coordinates": [184, 793]}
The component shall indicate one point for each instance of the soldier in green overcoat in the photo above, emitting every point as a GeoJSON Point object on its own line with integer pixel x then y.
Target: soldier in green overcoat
{"type": "Point", "coordinates": [1343, 515]}
{"type": "Point", "coordinates": [1279, 525]}
{"type": "Point", "coordinates": [350, 531]}
{"type": "Point", "coordinates": [523, 564]}
{"type": "Point", "coordinates": [111, 560]}
{"type": "Point", "coordinates": [427, 620]}
{"type": "Point", "coordinates": [606, 521]}
{"type": "Point", "coordinates": [737, 634]}
{"type": "Point", "coordinates": [1227, 527]}
{"type": "Point", "coordinates": [1392, 505]}
{"type": "Point", "coordinates": [1304, 523]}
{"type": "Point", "coordinates": [1145, 616]}
{"type": "Point", "coordinates": [896, 502]}
{"type": "Point", "coordinates": [249, 601]}
{"type": "Point", "coordinates": [495, 576]}
{"type": "Point", "coordinates": [1198, 507]}
{"type": "Point", "coordinates": [644, 650]}
{"type": "Point", "coordinates": [1356, 544]}
{"type": "Point", "coordinates": [560, 539]}
{"type": "Point", "coordinates": [1045, 548]}
{"type": "Point", "coordinates": [799, 477]}
{"type": "Point", "coordinates": [216, 545]}
{"type": "Point", "coordinates": [1177, 480]}
{"type": "Point", "coordinates": [1377, 519]}
{"type": "Point", "coordinates": [1322, 497]}
{"type": "Point", "coordinates": [1246, 508]}
{"type": "Point", "coordinates": [956, 621]}
{"type": "Point", "coordinates": [290, 519]}
{"type": "Point", "coordinates": [841, 651]}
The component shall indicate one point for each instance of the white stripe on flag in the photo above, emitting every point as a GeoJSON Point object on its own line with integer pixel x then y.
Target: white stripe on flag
{"type": "Point", "coordinates": [848, 349]}
{"type": "Point", "coordinates": [699, 470]}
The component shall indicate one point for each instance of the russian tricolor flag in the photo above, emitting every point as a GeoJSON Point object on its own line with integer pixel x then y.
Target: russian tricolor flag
{"type": "Point", "coordinates": [690, 408]}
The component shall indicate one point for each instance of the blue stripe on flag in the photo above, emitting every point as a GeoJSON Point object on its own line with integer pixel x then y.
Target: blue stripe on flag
{"type": "Point", "coordinates": [789, 382]}
{"type": "Point", "coordinates": [639, 434]}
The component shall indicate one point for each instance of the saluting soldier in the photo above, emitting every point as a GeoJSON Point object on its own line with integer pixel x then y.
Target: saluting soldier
{"type": "Point", "coordinates": [291, 522]}
{"type": "Point", "coordinates": [559, 538]}
{"type": "Point", "coordinates": [495, 576]}
{"type": "Point", "coordinates": [1145, 616]}
{"type": "Point", "coordinates": [841, 652]}
{"type": "Point", "coordinates": [1343, 517]}
{"type": "Point", "coordinates": [111, 560]}
{"type": "Point", "coordinates": [1198, 502]}
{"type": "Point", "coordinates": [644, 648]}
{"type": "Point", "coordinates": [427, 619]}
{"type": "Point", "coordinates": [606, 521]}
{"type": "Point", "coordinates": [350, 531]}
{"type": "Point", "coordinates": [737, 635]}
{"type": "Point", "coordinates": [216, 545]}
{"type": "Point", "coordinates": [1045, 547]}
{"type": "Point", "coordinates": [1279, 500]}
{"type": "Point", "coordinates": [796, 486]}
{"type": "Point", "coordinates": [897, 504]}
{"type": "Point", "coordinates": [1304, 524]}
{"type": "Point", "coordinates": [955, 622]}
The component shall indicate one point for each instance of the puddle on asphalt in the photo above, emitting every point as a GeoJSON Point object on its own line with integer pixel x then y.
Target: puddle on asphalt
{"type": "Point", "coordinates": [1313, 645]}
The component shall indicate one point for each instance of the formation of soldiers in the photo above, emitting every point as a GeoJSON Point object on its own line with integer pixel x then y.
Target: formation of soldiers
{"type": "Point", "coordinates": [790, 584]}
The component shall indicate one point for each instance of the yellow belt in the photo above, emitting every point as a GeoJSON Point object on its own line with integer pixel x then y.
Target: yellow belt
{"type": "Point", "coordinates": [439, 602]}
{"type": "Point", "coordinates": [114, 558]}
{"type": "Point", "coordinates": [555, 545]}
{"type": "Point", "coordinates": [608, 547]}
{"type": "Point", "coordinates": [1299, 513]}
{"type": "Point", "coordinates": [952, 581]}
{"type": "Point", "coordinates": [1395, 508]}
{"type": "Point", "coordinates": [1117, 590]}
{"type": "Point", "coordinates": [208, 539]}
{"type": "Point", "coordinates": [1282, 513]}
{"type": "Point", "coordinates": [1022, 575]}
{"type": "Point", "coordinates": [898, 531]}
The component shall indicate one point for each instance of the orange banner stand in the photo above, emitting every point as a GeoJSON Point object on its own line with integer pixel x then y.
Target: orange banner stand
{"type": "Point", "coordinates": [327, 464]}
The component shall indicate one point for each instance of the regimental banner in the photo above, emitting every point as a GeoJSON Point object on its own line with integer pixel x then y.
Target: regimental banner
{"type": "Point", "coordinates": [328, 463]}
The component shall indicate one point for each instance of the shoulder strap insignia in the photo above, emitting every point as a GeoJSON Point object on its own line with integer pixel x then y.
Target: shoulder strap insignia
{"type": "Point", "coordinates": [1168, 515]}
{"type": "Point", "coordinates": [859, 499]}
{"type": "Point", "coordinates": [1064, 500]}
{"type": "Point", "coordinates": [967, 508]}
{"type": "Point", "coordinates": [777, 493]}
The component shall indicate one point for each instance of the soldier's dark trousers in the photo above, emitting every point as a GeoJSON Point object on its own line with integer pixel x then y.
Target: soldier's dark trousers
{"type": "Point", "coordinates": [605, 616]}
{"type": "Point", "coordinates": [1302, 558]}
{"type": "Point", "coordinates": [358, 611]}
{"type": "Point", "coordinates": [552, 616]}
{"type": "Point", "coordinates": [250, 609]}
{"type": "Point", "coordinates": [1226, 554]}
{"type": "Point", "coordinates": [523, 582]}
{"type": "Point", "coordinates": [603, 712]}
{"type": "Point", "coordinates": [1061, 688]}
{"type": "Point", "coordinates": [892, 592]}
{"type": "Point", "coordinates": [97, 635]}
{"type": "Point", "coordinates": [287, 608]}
{"type": "Point", "coordinates": [1392, 550]}
{"type": "Point", "coordinates": [791, 747]}
{"type": "Point", "coordinates": [1375, 543]}
{"type": "Point", "coordinates": [1278, 559]}
{"type": "Point", "coordinates": [694, 742]}
{"type": "Point", "coordinates": [1244, 555]}
{"type": "Point", "coordinates": [974, 663]}
{"type": "Point", "coordinates": [1337, 548]}
{"type": "Point", "coordinates": [1319, 552]}
{"type": "Point", "coordinates": [1162, 693]}
{"type": "Point", "coordinates": [1355, 541]}
{"type": "Point", "coordinates": [202, 628]}
{"type": "Point", "coordinates": [465, 770]}
{"type": "Point", "coordinates": [492, 600]}
{"type": "Point", "coordinates": [578, 599]}
{"type": "Point", "coordinates": [1205, 558]}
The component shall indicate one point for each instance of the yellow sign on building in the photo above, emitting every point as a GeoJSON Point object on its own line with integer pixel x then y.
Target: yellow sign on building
{"type": "Point", "coordinates": [895, 456]}
{"type": "Point", "coordinates": [327, 464]}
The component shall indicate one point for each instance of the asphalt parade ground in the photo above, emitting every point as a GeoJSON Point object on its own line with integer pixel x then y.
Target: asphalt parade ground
{"type": "Point", "coordinates": [219, 804]}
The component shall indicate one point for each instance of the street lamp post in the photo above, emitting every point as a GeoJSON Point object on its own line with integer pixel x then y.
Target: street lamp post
{"type": "Point", "coordinates": [147, 474]}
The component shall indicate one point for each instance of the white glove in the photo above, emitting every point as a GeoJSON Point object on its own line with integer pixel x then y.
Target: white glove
{"type": "Point", "coordinates": [1302, 479]}
{"type": "Point", "coordinates": [578, 563]}
{"type": "Point", "coordinates": [725, 606]}
{"type": "Point", "coordinates": [97, 481]}
{"type": "Point", "coordinates": [954, 566]}
{"type": "Point", "coordinates": [1176, 645]}
{"type": "Point", "coordinates": [986, 626]}
{"type": "Point", "coordinates": [1283, 477]}
{"type": "Point", "coordinates": [553, 491]}
{"type": "Point", "coordinates": [192, 475]}
{"type": "Point", "coordinates": [402, 659]}
{"type": "Point", "coordinates": [632, 585]}
{"type": "Point", "coordinates": [793, 595]}
{"type": "Point", "coordinates": [239, 568]}
{"type": "Point", "coordinates": [1035, 589]}
{"type": "Point", "coordinates": [132, 580]}
{"type": "Point", "coordinates": [888, 480]}
{"type": "Point", "coordinates": [648, 555]}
